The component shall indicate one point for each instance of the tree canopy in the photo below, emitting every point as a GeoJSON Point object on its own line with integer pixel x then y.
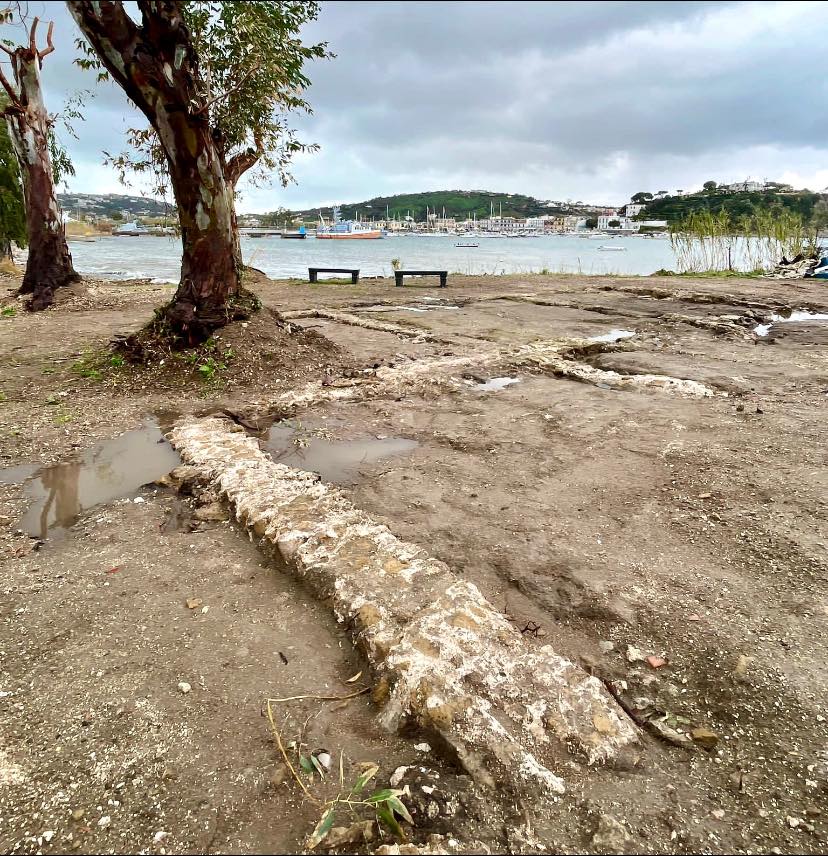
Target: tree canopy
{"type": "Point", "coordinates": [251, 78]}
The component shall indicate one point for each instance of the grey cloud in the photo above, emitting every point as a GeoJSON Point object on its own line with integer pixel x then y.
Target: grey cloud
{"type": "Point", "coordinates": [581, 100]}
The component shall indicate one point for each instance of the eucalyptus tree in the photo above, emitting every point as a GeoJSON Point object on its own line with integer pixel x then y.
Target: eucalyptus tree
{"type": "Point", "coordinates": [12, 210]}
{"type": "Point", "coordinates": [217, 83]}
{"type": "Point", "coordinates": [30, 127]}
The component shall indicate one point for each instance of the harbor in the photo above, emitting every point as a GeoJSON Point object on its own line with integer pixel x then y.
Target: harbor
{"type": "Point", "coordinates": [159, 258]}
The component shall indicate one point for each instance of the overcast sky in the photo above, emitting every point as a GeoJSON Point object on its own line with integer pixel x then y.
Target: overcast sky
{"type": "Point", "coordinates": [587, 101]}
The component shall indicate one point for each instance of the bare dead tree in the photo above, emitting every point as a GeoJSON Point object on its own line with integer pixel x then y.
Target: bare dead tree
{"type": "Point", "coordinates": [50, 263]}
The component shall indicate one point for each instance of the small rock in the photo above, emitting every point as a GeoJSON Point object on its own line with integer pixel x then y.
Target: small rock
{"type": "Point", "coordinates": [705, 495]}
{"type": "Point", "coordinates": [606, 646]}
{"type": "Point", "coordinates": [741, 667]}
{"type": "Point", "coordinates": [611, 835]}
{"type": "Point", "coordinates": [704, 737]}
{"type": "Point", "coordinates": [634, 655]}
{"type": "Point", "coordinates": [422, 747]}
{"type": "Point", "coordinates": [356, 833]}
{"type": "Point", "coordinates": [194, 602]}
{"type": "Point", "coordinates": [793, 822]}
{"type": "Point", "coordinates": [159, 836]}
{"type": "Point", "coordinates": [718, 813]}
{"type": "Point", "coordinates": [138, 500]}
{"type": "Point", "coordinates": [105, 821]}
{"type": "Point", "coordinates": [48, 835]}
{"type": "Point", "coordinates": [78, 814]}
{"type": "Point", "coordinates": [184, 687]}
{"type": "Point", "coordinates": [656, 662]}
{"type": "Point", "coordinates": [397, 776]}
{"type": "Point", "coordinates": [212, 512]}
{"type": "Point", "coordinates": [665, 732]}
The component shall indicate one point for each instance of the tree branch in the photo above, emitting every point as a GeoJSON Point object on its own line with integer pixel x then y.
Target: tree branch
{"type": "Point", "coordinates": [33, 35]}
{"type": "Point", "coordinates": [49, 46]}
{"type": "Point", "coordinates": [243, 161]}
{"type": "Point", "coordinates": [13, 96]}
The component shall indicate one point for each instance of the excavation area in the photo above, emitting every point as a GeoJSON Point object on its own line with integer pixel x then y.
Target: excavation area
{"type": "Point", "coordinates": [630, 471]}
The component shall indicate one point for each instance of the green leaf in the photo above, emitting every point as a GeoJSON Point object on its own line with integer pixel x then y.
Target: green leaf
{"type": "Point", "coordinates": [383, 795]}
{"type": "Point", "coordinates": [396, 805]}
{"type": "Point", "coordinates": [387, 817]}
{"type": "Point", "coordinates": [364, 778]}
{"type": "Point", "coordinates": [318, 766]}
{"type": "Point", "coordinates": [306, 764]}
{"type": "Point", "coordinates": [322, 828]}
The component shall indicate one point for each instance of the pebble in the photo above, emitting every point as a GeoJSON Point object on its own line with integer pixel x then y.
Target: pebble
{"type": "Point", "coordinates": [159, 836]}
{"type": "Point", "coordinates": [138, 500]}
{"type": "Point", "coordinates": [397, 776]}
{"type": "Point", "coordinates": [184, 687]}
{"type": "Point", "coordinates": [634, 654]}
{"type": "Point", "coordinates": [718, 813]}
{"type": "Point", "coordinates": [105, 821]}
{"type": "Point", "coordinates": [704, 737]}
{"type": "Point", "coordinates": [422, 747]}
{"type": "Point", "coordinates": [606, 646]}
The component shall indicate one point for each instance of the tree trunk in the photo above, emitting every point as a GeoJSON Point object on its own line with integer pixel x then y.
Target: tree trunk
{"type": "Point", "coordinates": [210, 272]}
{"type": "Point", "coordinates": [50, 263]}
{"type": "Point", "coordinates": [157, 67]}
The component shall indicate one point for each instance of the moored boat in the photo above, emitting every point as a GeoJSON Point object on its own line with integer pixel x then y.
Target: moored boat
{"type": "Point", "coordinates": [346, 230]}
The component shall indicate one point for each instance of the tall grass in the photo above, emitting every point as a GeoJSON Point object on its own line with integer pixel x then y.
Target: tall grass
{"type": "Point", "coordinates": [704, 241]}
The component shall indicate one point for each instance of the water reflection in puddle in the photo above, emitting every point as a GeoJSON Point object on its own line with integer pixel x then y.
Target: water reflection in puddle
{"type": "Point", "coordinates": [612, 336]}
{"type": "Point", "coordinates": [337, 461]}
{"type": "Point", "coordinates": [59, 494]}
{"type": "Point", "coordinates": [495, 384]}
{"type": "Point", "coordinates": [800, 316]}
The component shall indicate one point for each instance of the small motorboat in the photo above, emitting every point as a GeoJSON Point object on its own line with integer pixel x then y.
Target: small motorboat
{"type": "Point", "coordinates": [460, 244]}
{"type": "Point", "coordinates": [605, 248]}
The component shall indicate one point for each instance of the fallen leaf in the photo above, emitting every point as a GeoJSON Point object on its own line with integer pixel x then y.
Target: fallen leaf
{"type": "Point", "coordinates": [355, 677]}
{"type": "Point", "coordinates": [113, 570]}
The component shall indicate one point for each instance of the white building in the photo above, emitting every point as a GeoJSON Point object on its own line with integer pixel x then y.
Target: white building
{"type": "Point", "coordinates": [745, 186]}
{"type": "Point", "coordinates": [624, 223]}
{"type": "Point", "coordinates": [633, 208]}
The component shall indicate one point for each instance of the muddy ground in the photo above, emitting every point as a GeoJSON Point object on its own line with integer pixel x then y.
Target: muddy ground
{"type": "Point", "coordinates": [610, 524]}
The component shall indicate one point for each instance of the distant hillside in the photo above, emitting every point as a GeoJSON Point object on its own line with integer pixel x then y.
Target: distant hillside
{"type": "Point", "coordinates": [105, 205]}
{"type": "Point", "coordinates": [457, 203]}
{"type": "Point", "coordinates": [737, 204]}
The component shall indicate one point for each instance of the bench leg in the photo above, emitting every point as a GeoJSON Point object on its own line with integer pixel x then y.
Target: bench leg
{"type": "Point", "coordinates": [312, 276]}
{"type": "Point", "coordinates": [443, 277]}
{"type": "Point", "coordinates": [354, 278]}
{"type": "Point", "coordinates": [397, 279]}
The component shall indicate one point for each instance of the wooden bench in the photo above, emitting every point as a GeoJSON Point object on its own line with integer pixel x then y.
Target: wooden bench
{"type": "Point", "coordinates": [313, 273]}
{"type": "Point", "coordinates": [399, 274]}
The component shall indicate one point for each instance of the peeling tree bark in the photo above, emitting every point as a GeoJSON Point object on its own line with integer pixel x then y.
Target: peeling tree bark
{"type": "Point", "coordinates": [157, 67]}
{"type": "Point", "coordinates": [49, 266]}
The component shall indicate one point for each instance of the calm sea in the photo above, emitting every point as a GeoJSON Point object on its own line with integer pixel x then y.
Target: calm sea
{"type": "Point", "coordinates": [159, 258]}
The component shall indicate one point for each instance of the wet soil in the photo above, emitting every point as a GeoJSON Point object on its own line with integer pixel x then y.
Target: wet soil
{"type": "Point", "coordinates": [608, 524]}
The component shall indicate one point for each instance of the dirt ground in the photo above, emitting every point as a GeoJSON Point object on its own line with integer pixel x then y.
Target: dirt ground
{"type": "Point", "coordinates": [613, 525]}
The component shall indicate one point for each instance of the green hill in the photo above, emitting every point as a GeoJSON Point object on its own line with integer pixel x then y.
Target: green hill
{"type": "Point", "coordinates": [109, 204]}
{"type": "Point", "coordinates": [737, 204]}
{"type": "Point", "coordinates": [456, 203]}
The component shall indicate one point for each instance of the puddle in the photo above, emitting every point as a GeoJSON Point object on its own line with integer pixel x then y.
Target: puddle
{"type": "Point", "coordinates": [59, 494]}
{"type": "Point", "coordinates": [495, 384]}
{"type": "Point", "coordinates": [337, 461]}
{"type": "Point", "coordinates": [408, 308]}
{"type": "Point", "coordinates": [612, 336]}
{"type": "Point", "coordinates": [794, 317]}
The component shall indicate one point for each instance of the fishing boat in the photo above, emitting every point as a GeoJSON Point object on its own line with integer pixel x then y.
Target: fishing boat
{"type": "Point", "coordinates": [346, 230]}
{"type": "Point", "coordinates": [300, 235]}
{"type": "Point", "coordinates": [461, 244]}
